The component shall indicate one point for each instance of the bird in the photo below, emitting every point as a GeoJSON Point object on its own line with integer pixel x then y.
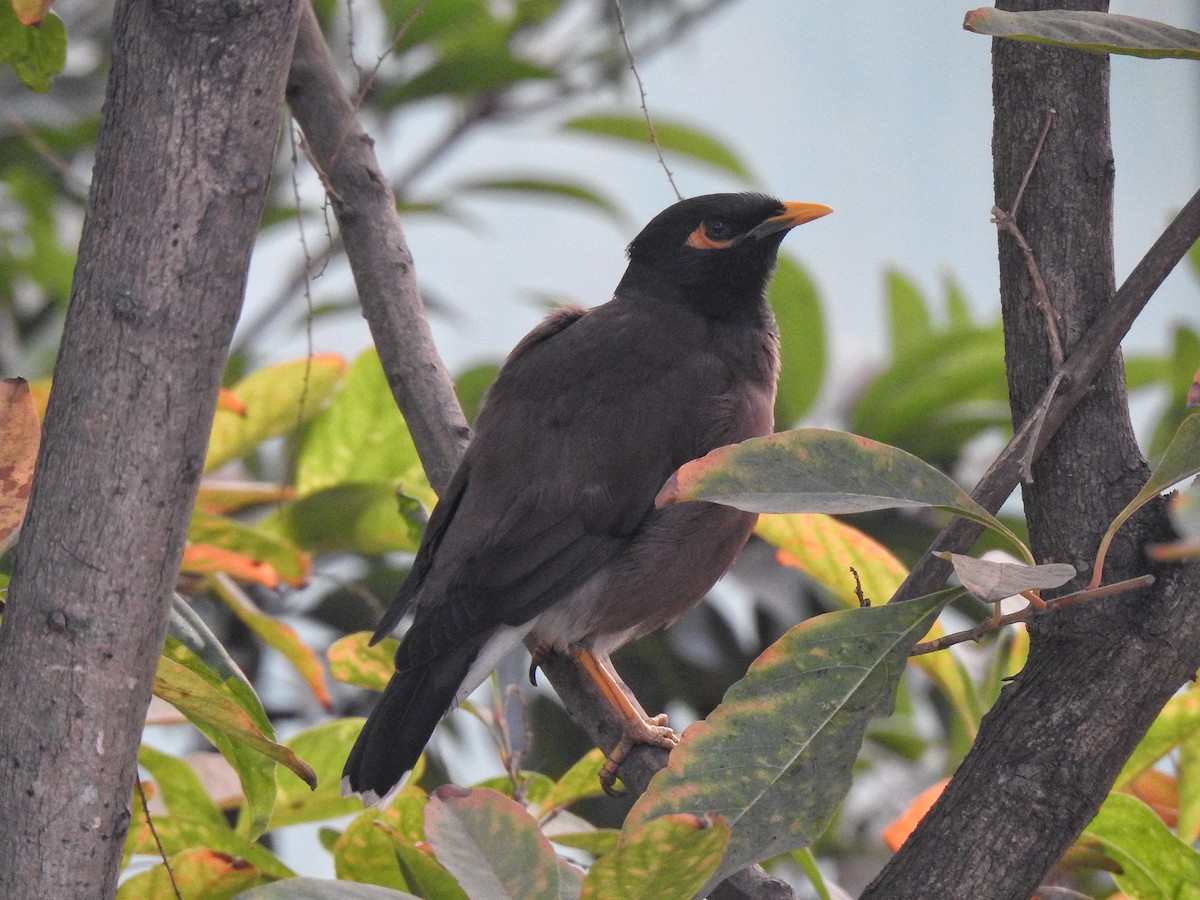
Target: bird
{"type": "Point", "coordinates": [547, 532]}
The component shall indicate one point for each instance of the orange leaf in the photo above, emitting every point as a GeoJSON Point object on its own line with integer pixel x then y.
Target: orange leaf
{"type": "Point", "coordinates": [223, 496]}
{"type": "Point", "coordinates": [31, 12]}
{"type": "Point", "coordinates": [897, 833]}
{"type": "Point", "coordinates": [1160, 792]}
{"type": "Point", "coordinates": [204, 559]}
{"type": "Point", "coordinates": [20, 434]}
{"type": "Point", "coordinates": [231, 402]}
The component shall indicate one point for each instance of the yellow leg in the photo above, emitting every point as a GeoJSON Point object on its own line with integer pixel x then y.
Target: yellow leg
{"type": "Point", "coordinates": [638, 727]}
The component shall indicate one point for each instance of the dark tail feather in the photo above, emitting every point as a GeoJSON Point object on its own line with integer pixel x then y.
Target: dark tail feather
{"type": "Point", "coordinates": [402, 722]}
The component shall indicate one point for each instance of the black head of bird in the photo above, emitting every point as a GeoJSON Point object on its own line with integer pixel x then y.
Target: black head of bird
{"type": "Point", "coordinates": [548, 534]}
{"type": "Point", "coordinates": [717, 251]}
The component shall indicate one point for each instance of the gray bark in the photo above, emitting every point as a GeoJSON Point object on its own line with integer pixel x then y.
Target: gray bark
{"type": "Point", "coordinates": [1098, 673]}
{"type": "Point", "coordinates": [182, 162]}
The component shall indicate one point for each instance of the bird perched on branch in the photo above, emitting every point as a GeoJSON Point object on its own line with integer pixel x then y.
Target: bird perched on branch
{"type": "Point", "coordinates": [548, 532]}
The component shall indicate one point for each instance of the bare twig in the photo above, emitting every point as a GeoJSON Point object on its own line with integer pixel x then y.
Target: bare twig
{"type": "Point", "coordinates": [1037, 153]}
{"type": "Point", "coordinates": [1088, 356]}
{"type": "Point", "coordinates": [308, 300]}
{"type": "Point", "coordinates": [1030, 611]}
{"type": "Point", "coordinates": [477, 113]}
{"type": "Point", "coordinates": [1007, 221]}
{"type": "Point", "coordinates": [1035, 421]}
{"type": "Point", "coordinates": [162, 853]}
{"type": "Point", "coordinates": [367, 83]}
{"type": "Point", "coordinates": [863, 601]}
{"type": "Point", "coordinates": [642, 92]}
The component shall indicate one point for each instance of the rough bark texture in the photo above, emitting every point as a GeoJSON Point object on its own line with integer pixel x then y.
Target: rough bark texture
{"type": "Point", "coordinates": [1097, 674]}
{"type": "Point", "coordinates": [182, 162]}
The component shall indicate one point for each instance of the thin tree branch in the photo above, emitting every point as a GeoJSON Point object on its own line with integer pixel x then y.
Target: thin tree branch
{"type": "Point", "coordinates": [1069, 386]}
{"type": "Point", "coordinates": [379, 258]}
{"type": "Point", "coordinates": [1007, 221]}
{"type": "Point", "coordinates": [637, 77]}
{"type": "Point", "coordinates": [162, 852]}
{"type": "Point", "coordinates": [1029, 612]}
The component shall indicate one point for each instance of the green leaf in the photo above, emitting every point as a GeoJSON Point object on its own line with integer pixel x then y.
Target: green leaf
{"type": "Point", "coordinates": [277, 399]}
{"type": "Point", "coordinates": [472, 386]}
{"type": "Point", "coordinates": [354, 517]}
{"type": "Point", "coordinates": [1180, 460]}
{"type": "Point", "coordinates": [580, 782]}
{"type": "Point", "coordinates": [807, 862]}
{"type": "Point", "coordinates": [424, 874]}
{"type": "Point", "coordinates": [1177, 723]}
{"type": "Point", "coordinates": [180, 788]}
{"type": "Point", "coordinates": [958, 310]}
{"type": "Point", "coordinates": [797, 306]}
{"type": "Point", "coordinates": [36, 52]}
{"type": "Point", "coordinates": [815, 470]}
{"type": "Point", "coordinates": [669, 858]}
{"type": "Point", "coordinates": [435, 23]}
{"type": "Point", "coordinates": [1094, 32]}
{"type": "Point", "coordinates": [932, 400]}
{"type": "Point", "coordinates": [46, 260]}
{"type": "Point", "coordinates": [353, 660]}
{"type": "Point", "coordinates": [364, 852]}
{"type": "Point", "coordinates": [597, 841]}
{"type": "Point", "coordinates": [323, 889]}
{"type": "Point", "coordinates": [491, 844]}
{"type": "Point", "coordinates": [1188, 764]}
{"type": "Point", "coordinates": [673, 137]}
{"type": "Point", "coordinates": [277, 635]}
{"type": "Point", "coordinates": [221, 704]}
{"type": "Point", "coordinates": [909, 319]}
{"type": "Point", "coordinates": [520, 186]}
{"type": "Point", "coordinates": [535, 786]}
{"type": "Point", "coordinates": [1176, 372]}
{"type": "Point", "coordinates": [324, 747]}
{"type": "Point", "coordinates": [481, 70]}
{"type": "Point", "coordinates": [775, 757]}
{"type": "Point", "coordinates": [1154, 863]}
{"type": "Point", "coordinates": [178, 834]}
{"type": "Point", "coordinates": [291, 564]}
{"type": "Point", "coordinates": [198, 872]}
{"type": "Point", "coordinates": [361, 437]}
{"type": "Point", "coordinates": [826, 550]}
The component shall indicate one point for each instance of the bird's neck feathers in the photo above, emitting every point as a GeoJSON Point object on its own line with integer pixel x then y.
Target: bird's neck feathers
{"type": "Point", "coordinates": [733, 295]}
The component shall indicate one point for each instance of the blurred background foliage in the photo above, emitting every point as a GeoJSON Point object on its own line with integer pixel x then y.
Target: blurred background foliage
{"type": "Point", "coordinates": [314, 497]}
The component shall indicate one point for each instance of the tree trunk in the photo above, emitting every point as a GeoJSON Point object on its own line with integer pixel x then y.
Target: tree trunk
{"type": "Point", "coordinates": [1098, 673]}
{"type": "Point", "coordinates": [182, 162]}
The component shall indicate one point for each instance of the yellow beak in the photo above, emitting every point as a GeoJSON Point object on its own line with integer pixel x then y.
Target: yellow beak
{"type": "Point", "coordinates": [793, 214]}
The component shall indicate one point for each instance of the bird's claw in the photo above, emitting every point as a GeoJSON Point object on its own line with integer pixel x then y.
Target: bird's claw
{"type": "Point", "coordinates": [653, 730]}
{"type": "Point", "coordinates": [536, 656]}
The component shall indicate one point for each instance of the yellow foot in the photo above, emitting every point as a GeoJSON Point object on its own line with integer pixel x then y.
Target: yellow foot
{"type": "Point", "coordinates": [653, 731]}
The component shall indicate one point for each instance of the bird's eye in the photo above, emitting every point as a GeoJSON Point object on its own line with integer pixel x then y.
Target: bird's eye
{"type": "Point", "coordinates": [713, 234]}
{"type": "Point", "coordinates": [717, 229]}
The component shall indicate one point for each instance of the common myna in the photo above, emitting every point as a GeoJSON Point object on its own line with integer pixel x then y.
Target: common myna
{"type": "Point", "coordinates": [548, 532]}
